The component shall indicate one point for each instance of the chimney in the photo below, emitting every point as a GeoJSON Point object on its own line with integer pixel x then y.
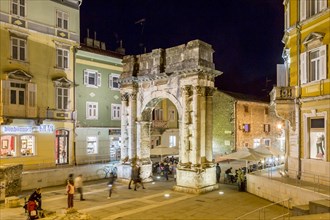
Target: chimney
{"type": "Point", "coordinates": [88, 41]}
{"type": "Point", "coordinates": [120, 49]}
{"type": "Point", "coordinates": [96, 42]}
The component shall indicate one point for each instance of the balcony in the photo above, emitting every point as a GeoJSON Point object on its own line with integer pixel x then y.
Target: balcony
{"type": "Point", "coordinates": [283, 99]}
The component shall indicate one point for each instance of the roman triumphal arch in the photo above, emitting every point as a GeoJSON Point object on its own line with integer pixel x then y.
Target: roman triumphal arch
{"type": "Point", "coordinates": [184, 75]}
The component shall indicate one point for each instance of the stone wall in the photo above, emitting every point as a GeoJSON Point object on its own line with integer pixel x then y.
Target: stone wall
{"type": "Point", "coordinates": [10, 180]}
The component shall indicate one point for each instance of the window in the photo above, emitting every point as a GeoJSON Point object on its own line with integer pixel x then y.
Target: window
{"type": "Point", "coordinates": [91, 110]}
{"type": "Point", "coordinates": [246, 128]}
{"type": "Point", "coordinates": [313, 65]}
{"type": "Point", "coordinates": [115, 111]}
{"type": "Point", "coordinates": [62, 56]}
{"type": "Point", "coordinates": [310, 8]}
{"type": "Point", "coordinates": [62, 98]}
{"type": "Point", "coordinates": [267, 128]}
{"type": "Point", "coordinates": [91, 145]}
{"type": "Point", "coordinates": [62, 20]}
{"type": "Point", "coordinates": [267, 142]}
{"type": "Point", "coordinates": [158, 114]}
{"type": "Point", "coordinates": [18, 48]}
{"type": "Point", "coordinates": [8, 146]}
{"type": "Point", "coordinates": [171, 112]}
{"type": "Point", "coordinates": [172, 141]}
{"type": "Point", "coordinates": [266, 111]}
{"type": "Point", "coordinates": [17, 93]}
{"type": "Point", "coordinates": [317, 138]}
{"type": "Point", "coordinates": [256, 143]}
{"type": "Point", "coordinates": [18, 7]}
{"type": "Point", "coordinates": [246, 108]}
{"type": "Point", "coordinates": [114, 81]}
{"type": "Point", "coordinates": [92, 78]}
{"type": "Point", "coordinates": [27, 145]}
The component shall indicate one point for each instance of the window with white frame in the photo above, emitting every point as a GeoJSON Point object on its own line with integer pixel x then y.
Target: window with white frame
{"type": "Point", "coordinates": [91, 110]}
{"type": "Point", "coordinates": [317, 138]}
{"type": "Point", "coordinates": [172, 141]}
{"type": "Point", "coordinates": [308, 8]}
{"type": "Point", "coordinates": [18, 48]}
{"type": "Point", "coordinates": [92, 78]}
{"type": "Point", "coordinates": [18, 7]}
{"type": "Point", "coordinates": [62, 98]}
{"type": "Point", "coordinates": [91, 145]}
{"type": "Point", "coordinates": [313, 65]}
{"type": "Point", "coordinates": [115, 111]}
{"type": "Point", "coordinates": [267, 142]}
{"type": "Point", "coordinates": [62, 58]}
{"type": "Point", "coordinates": [17, 93]}
{"type": "Point", "coordinates": [62, 20]}
{"type": "Point", "coordinates": [114, 81]}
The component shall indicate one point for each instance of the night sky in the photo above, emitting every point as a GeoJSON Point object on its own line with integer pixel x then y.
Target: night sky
{"type": "Point", "coordinates": [245, 34]}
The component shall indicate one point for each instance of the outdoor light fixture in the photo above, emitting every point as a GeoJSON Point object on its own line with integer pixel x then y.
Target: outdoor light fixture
{"type": "Point", "coordinates": [153, 183]}
{"type": "Point", "coordinates": [221, 193]}
{"type": "Point", "coordinates": [166, 195]}
{"type": "Point", "coordinates": [158, 177]}
{"type": "Point", "coordinates": [279, 125]}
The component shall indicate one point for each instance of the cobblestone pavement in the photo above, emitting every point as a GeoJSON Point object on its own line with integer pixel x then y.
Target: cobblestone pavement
{"type": "Point", "coordinates": [157, 201]}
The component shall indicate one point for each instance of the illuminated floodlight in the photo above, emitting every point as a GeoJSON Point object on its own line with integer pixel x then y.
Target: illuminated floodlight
{"type": "Point", "coordinates": [158, 177]}
{"type": "Point", "coordinates": [153, 183]}
{"type": "Point", "coordinates": [279, 125]}
{"type": "Point", "coordinates": [166, 195]}
{"type": "Point", "coordinates": [221, 193]}
{"type": "Point", "coordinates": [262, 161]}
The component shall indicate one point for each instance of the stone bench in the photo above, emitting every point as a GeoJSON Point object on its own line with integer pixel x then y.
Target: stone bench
{"type": "Point", "coordinates": [12, 202]}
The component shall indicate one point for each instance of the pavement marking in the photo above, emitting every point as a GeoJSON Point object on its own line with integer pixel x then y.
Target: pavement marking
{"type": "Point", "coordinates": [145, 208]}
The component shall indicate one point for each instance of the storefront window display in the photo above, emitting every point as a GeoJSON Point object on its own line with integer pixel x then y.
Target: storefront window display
{"type": "Point", "coordinates": [62, 141]}
{"type": "Point", "coordinates": [115, 143]}
{"type": "Point", "coordinates": [317, 139]}
{"type": "Point", "coordinates": [14, 145]}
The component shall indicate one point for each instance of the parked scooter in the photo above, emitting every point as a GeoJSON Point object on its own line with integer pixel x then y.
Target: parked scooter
{"type": "Point", "coordinates": [31, 209]}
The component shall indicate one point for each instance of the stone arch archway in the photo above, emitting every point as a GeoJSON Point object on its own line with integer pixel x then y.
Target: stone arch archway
{"type": "Point", "coordinates": [184, 75]}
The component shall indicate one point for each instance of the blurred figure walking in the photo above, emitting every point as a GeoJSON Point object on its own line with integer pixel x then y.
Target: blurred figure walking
{"type": "Point", "coordinates": [78, 184]}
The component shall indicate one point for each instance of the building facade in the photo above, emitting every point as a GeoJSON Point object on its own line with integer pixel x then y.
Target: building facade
{"type": "Point", "coordinates": [244, 121]}
{"type": "Point", "coordinates": [38, 41]}
{"type": "Point", "coordinates": [98, 102]}
{"type": "Point", "coordinates": [302, 94]}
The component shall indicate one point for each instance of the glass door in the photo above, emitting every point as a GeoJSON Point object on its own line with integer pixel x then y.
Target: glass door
{"type": "Point", "coordinates": [61, 147]}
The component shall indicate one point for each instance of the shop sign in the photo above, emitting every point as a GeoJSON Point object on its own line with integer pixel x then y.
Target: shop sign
{"type": "Point", "coordinates": [28, 129]}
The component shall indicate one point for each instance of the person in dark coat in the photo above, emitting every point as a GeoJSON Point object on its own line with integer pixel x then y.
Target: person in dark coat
{"type": "Point", "coordinates": [218, 172]}
{"type": "Point", "coordinates": [36, 197]}
{"type": "Point", "coordinates": [166, 170]}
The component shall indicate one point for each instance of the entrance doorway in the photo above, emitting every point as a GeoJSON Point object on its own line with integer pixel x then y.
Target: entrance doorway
{"type": "Point", "coordinates": [61, 146]}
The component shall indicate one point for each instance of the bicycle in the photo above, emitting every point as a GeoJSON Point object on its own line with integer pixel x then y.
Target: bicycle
{"type": "Point", "coordinates": [106, 170]}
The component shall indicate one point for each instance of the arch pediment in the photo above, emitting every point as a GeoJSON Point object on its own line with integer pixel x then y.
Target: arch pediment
{"type": "Point", "coordinates": [314, 36]}
{"type": "Point", "coordinates": [20, 75]}
{"type": "Point", "coordinates": [62, 82]}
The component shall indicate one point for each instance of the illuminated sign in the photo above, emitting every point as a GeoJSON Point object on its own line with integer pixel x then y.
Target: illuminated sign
{"type": "Point", "coordinates": [28, 129]}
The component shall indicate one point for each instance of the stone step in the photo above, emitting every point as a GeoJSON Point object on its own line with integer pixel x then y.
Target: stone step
{"type": "Point", "coordinates": [319, 206]}
{"type": "Point", "coordinates": [299, 210]}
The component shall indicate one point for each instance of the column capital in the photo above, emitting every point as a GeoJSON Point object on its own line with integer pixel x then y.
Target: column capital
{"type": "Point", "coordinates": [209, 91]}
{"type": "Point", "coordinates": [124, 97]}
{"type": "Point", "coordinates": [186, 90]}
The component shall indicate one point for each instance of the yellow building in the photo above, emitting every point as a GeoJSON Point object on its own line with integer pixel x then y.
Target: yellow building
{"type": "Point", "coordinates": [302, 95]}
{"type": "Point", "coordinates": [38, 40]}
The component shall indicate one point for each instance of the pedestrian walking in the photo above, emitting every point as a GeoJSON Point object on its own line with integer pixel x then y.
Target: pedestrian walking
{"type": "Point", "coordinates": [138, 179]}
{"type": "Point", "coordinates": [70, 192]}
{"type": "Point", "coordinates": [218, 172]}
{"type": "Point", "coordinates": [78, 184]}
{"type": "Point", "coordinates": [174, 170]}
{"type": "Point", "coordinates": [166, 170]}
{"type": "Point", "coordinates": [133, 174]}
{"type": "Point", "coordinates": [111, 184]}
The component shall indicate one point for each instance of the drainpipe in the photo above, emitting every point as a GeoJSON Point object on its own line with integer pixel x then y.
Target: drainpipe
{"type": "Point", "coordinates": [74, 106]}
{"type": "Point", "coordinates": [297, 99]}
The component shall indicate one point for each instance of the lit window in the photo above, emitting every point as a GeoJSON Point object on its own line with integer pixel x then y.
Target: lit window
{"type": "Point", "coordinates": [8, 146]}
{"type": "Point", "coordinates": [246, 127]}
{"type": "Point", "coordinates": [62, 20]}
{"type": "Point", "coordinates": [18, 48]}
{"type": "Point", "coordinates": [172, 141]}
{"type": "Point", "coordinates": [27, 145]}
{"type": "Point", "coordinates": [91, 110]}
{"type": "Point", "coordinates": [317, 136]}
{"type": "Point", "coordinates": [114, 81]}
{"type": "Point", "coordinates": [62, 56]}
{"type": "Point", "coordinates": [115, 111]}
{"type": "Point", "coordinates": [256, 143]}
{"type": "Point", "coordinates": [313, 65]}
{"type": "Point", "coordinates": [92, 78]}
{"type": "Point", "coordinates": [18, 7]}
{"type": "Point", "coordinates": [62, 98]}
{"type": "Point", "coordinates": [91, 145]}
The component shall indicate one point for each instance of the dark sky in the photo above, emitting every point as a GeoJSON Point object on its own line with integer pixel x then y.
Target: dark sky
{"type": "Point", "coordinates": [245, 34]}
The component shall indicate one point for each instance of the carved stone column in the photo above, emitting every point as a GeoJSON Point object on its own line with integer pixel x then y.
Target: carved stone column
{"type": "Point", "coordinates": [196, 148]}
{"type": "Point", "coordinates": [185, 143]}
{"type": "Point", "coordinates": [132, 125]}
{"type": "Point", "coordinates": [124, 130]}
{"type": "Point", "coordinates": [209, 91]}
